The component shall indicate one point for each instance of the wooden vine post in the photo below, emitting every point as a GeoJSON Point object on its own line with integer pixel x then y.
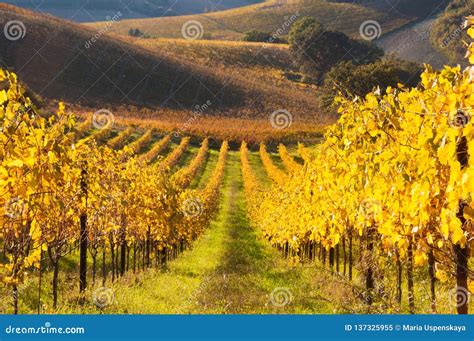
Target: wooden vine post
{"type": "Point", "coordinates": [462, 252]}
{"type": "Point", "coordinates": [84, 234]}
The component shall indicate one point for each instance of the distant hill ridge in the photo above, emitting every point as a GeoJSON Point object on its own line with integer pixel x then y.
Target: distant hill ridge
{"type": "Point", "coordinates": [344, 16]}
{"type": "Point", "coordinates": [99, 10]}
{"type": "Point", "coordinates": [53, 61]}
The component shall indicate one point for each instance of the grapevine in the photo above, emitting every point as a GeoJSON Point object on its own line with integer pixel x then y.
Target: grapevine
{"type": "Point", "coordinates": [52, 185]}
{"type": "Point", "coordinates": [278, 176]}
{"type": "Point", "coordinates": [137, 145]}
{"type": "Point", "coordinates": [184, 176]}
{"type": "Point", "coordinates": [120, 140]}
{"type": "Point", "coordinates": [290, 164]}
{"type": "Point", "coordinates": [156, 149]}
{"type": "Point", "coordinates": [172, 159]}
{"type": "Point", "coordinates": [397, 172]}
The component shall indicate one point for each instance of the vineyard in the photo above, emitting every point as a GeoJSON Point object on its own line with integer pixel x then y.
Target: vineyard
{"type": "Point", "coordinates": [99, 215]}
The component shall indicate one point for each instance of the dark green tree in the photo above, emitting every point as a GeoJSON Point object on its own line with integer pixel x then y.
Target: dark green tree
{"type": "Point", "coordinates": [316, 50]}
{"type": "Point", "coordinates": [358, 80]}
{"type": "Point", "coordinates": [135, 32]}
{"type": "Point", "coordinates": [261, 36]}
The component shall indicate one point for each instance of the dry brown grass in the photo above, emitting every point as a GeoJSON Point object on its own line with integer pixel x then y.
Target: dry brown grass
{"type": "Point", "coordinates": [265, 64]}
{"type": "Point", "coordinates": [267, 16]}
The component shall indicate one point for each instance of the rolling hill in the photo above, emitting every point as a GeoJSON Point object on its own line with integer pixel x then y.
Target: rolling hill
{"type": "Point", "coordinates": [226, 55]}
{"type": "Point", "coordinates": [271, 15]}
{"type": "Point", "coordinates": [448, 35]}
{"type": "Point", "coordinates": [270, 64]}
{"type": "Point", "coordinates": [413, 8]}
{"type": "Point", "coordinates": [99, 10]}
{"type": "Point", "coordinates": [412, 42]}
{"type": "Point", "coordinates": [58, 59]}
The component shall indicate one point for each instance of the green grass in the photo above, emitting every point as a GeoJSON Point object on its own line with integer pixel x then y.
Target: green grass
{"type": "Point", "coordinates": [249, 270]}
{"type": "Point", "coordinates": [257, 166]}
{"type": "Point", "coordinates": [205, 173]}
{"type": "Point", "coordinates": [134, 136]}
{"type": "Point", "coordinates": [293, 151]}
{"type": "Point", "coordinates": [275, 157]}
{"type": "Point", "coordinates": [154, 139]}
{"type": "Point", "coordinates": [186, 158]}
{"type": "Point", "coordinates": [167, 150]}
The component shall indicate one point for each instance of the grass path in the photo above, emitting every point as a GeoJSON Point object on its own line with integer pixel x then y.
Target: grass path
{"type": "Point", "coordinates": [230, 269]}
{"type": "Point", "coordinates": [249, 269]}
{"type": "Point", "coordinates": [205, 173]}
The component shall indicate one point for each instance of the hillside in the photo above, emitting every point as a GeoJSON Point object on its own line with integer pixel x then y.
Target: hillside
{"type": "Point", "coordinates": [270, 16]}
{"type": "Point", "coordinates": [54, 62]}
{"type": "Point", "coordinates": [270, 63]}
{"type": "Point", "coordinates": [99, 10]}
{"type": "Point", "coordinates": [448, 35]}
{"type": "Point", "coordinates": [413, 8]}
{"type": "Point", "coordinates": [412, 42]}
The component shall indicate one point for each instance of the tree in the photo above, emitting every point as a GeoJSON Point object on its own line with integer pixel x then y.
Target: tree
{"type": "Point", "coordinates": [135, 32]}
{"type": "Point", "coordinates": [316, 50]}
{"type": "Point", "coordinates": [300, 26]}
{"type": "Point", "coordinates": [261, 36]}
{"type": "Point", "coordinates": [358, 80]}
{"type": "Point", "coordinates": [38, 179]}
